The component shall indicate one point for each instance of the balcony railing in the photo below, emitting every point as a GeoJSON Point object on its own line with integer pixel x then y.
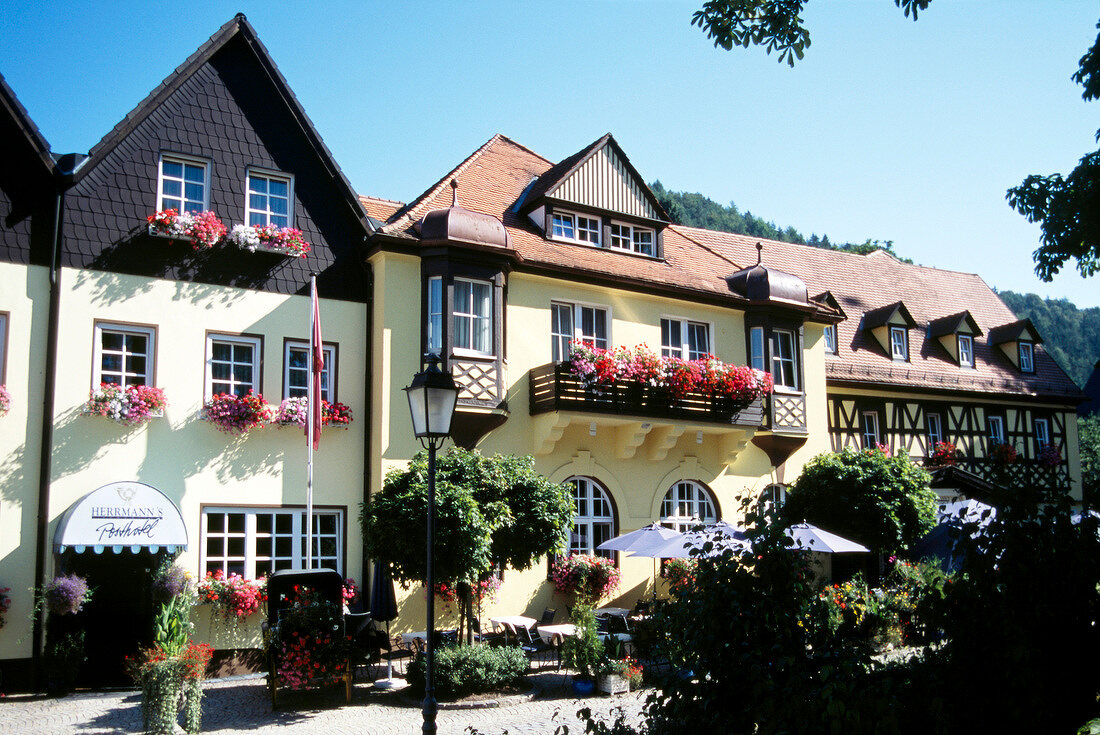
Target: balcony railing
{"type": "Point", "coordinates": [1021, 473]}
{"type": "Point", "coordinates": [555, 387]}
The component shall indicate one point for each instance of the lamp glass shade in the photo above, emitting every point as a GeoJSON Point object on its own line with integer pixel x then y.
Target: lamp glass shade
{"type": "Point", "coordinates": [432, 407]}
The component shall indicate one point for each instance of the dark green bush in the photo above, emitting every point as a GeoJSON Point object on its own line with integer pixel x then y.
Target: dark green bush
{"type": "Point", "coordinates": [463, 670]}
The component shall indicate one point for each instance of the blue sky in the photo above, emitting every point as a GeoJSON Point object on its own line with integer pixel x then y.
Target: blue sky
{"type": "Point", "coordinates": [888, 129]}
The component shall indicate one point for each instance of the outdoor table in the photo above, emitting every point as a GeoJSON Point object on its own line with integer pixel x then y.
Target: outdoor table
{"type": "Point", "coordinates": [558, 632]}
{"type": "Point", "coordinates": [418, 637]}
{"type": "Point", "coordinates": [514, 621]}
{"type": "Point", "coordinates": [622, 612]}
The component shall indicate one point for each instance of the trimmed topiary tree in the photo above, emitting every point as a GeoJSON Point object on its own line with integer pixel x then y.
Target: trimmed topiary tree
{"type": "Point", "coordinates": [880, 501]}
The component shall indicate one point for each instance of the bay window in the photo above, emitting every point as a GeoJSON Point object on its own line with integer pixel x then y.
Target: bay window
{"type": "Point", "coordinates": [473, 316]}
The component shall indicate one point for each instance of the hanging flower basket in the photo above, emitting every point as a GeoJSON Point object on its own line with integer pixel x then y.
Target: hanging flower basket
{"type": "Point", "coordinates": [66, 595]}
{"type": "Point", "coordinates": [235, 414]}
{"type": "Point", "coordinates": [944, 454]}
{"type": "Point", "coordinates": [130, 406]}
{"type": "Point", "coordinates": [270, 239]}
{"type": "Point", "coordinates": [1050, 456]}
{"type": "Point", "coordinates": [293, 412]}
{"type": "Point", "coordinates": [5, 400]}
{"type": "Point", "coordinates": [202, 229]}
{"type": "Point", "coordinates": [588, 577]}
{"type": "Point", "coordinates": [1003, 454]}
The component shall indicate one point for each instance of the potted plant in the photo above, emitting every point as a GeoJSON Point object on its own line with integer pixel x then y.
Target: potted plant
{"type": "Point", "coordinates": [583, 652]}
{"type": "Point", "coordinates": [680, 574]}
{"type": "Point", "coordinates": [170, 673]}
{"type": "Point", "coordinates": [5, 400]}
{"type": "Point", "coordinates": [235, 414]}
{"type": "Point", "coordinates": [618, 672]}
{"type": "Point", "coordinates": [202, 229]}
{"type": "Point", "coordinates": [129, 406]}
{"type": "Point", "coordinates": [306, 644]}
{"type": "Point", "coordinates": [270, 238]}
{"type": "Point", "coordinates": [944, 454]}
{"type": "Point", "coordinates": [64, 655]}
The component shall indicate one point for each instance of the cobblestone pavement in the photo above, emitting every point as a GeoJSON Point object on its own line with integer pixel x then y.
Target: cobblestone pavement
{"type": "Point", "coordinates": [242, 706]}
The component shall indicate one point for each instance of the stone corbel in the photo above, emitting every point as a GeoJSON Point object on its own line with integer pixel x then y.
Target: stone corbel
{"type": "Point", "coordinates": [547, 431]}
{"type": "Point", "coordinates": [628, 438]}
{"type": "Point", "coordinates": [731, 444]}
{"type": "Point", "coordinates": [664, 439]}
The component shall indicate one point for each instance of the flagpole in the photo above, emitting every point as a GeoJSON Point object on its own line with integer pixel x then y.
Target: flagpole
{"type": "Point", "coordinates": [310, 398]}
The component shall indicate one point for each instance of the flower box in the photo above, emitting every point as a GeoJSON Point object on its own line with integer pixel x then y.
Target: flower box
{"type": "Point", "coordinates": [270, 239]}
{"type": "Point", "coordinates": [235, 414]}
{"type": "Point", "coordinates": [201, 229]}
{"type": "Point", "coordinates": [293, 412]}
{"type": "Point", "coordinates": [613, 684]}
{"type": "Point", "coordinates": [5, 400]}
{"type": "Point", "coordinates": [130, 406]}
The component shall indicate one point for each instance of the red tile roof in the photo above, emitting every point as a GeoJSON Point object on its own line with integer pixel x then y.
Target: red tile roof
{"type": "Point", "coordinates": [494, 177]}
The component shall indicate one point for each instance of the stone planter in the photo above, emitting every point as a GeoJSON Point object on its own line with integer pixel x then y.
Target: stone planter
{"type": "Point", "coordinates": [613, 684]}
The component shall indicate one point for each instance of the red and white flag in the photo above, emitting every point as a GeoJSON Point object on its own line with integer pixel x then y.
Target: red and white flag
{"type": "Point", "coordinates": [317, 359]}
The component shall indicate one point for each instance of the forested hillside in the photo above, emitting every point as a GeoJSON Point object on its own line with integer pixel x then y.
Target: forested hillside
{"type": "Point", "coordinates": [696, 210]}
{"type": "Point", "coordinates": [1070, 335]}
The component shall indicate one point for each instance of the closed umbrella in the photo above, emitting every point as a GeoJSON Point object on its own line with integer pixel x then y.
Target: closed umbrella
{"type": "Point", "coordinates": [817, 539]}
{"type": "Point", "coordinates": [383, 607]}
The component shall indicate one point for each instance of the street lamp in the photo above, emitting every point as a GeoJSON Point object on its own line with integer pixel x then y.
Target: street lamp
{"type": "Point", "coordinates": [432, 398]}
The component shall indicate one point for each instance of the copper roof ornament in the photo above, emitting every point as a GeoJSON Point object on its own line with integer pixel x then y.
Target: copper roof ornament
{"type": "Point", "coordinates": [760, 283]}
{"type": "Point", "coordinates": [456, 224]}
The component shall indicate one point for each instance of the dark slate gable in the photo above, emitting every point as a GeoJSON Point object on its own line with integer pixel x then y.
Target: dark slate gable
{"type": "Point", "coordinates": [26, 185]}
{"type": "Point", "coordinates": [225, 107]}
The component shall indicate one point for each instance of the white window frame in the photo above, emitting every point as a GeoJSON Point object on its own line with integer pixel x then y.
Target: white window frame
{"type": "Point", "coordinates": [584, 229]}
{"type": "Point", "coordinates": [692, 497]}
{"type": "Point", "coordinates": [966, 357]}
{"type": "Point", "coordinates": [184, 161]}
{"type": "Point", "coordinates": [233, 339]}
{"type": "Point", "coordinates": [245, 563]}
{"type": "Point", "coordinates": [1026, 348]}
{"type": "Point", "coordinates": [3, 347]}
{"type": "Point", "coordinates": [778, 360]}
{"type": "Point", "coordinates": [934, 435]}
{"type": "Point", "coordinates": [899, 349]}
{"type": "Point", "coordinates": [626, 237]}
{"type": "Point", "coordinates": [682, 330]}
{"type": "Point", "coordinates": [267, 213]}
{"type": "Point", "coordinates": [1042, 434]}
{"type": "Point", "coordinates": [328, 384]}
{"type": "Point", "coordinates": [830, 336]}
{"type": "Point", "coordinates": [127, 378]}
{"type": "Point", "coordinates": [435, 315]}
{"type": "Point", "coordinates": [869, 433]}
{"type": "Point", "coordinates": [559, 340]}
{"type": "Point", "coordinates": [593, 498]}
{"type": "Point", "coordinates": [996, 426]}
{"type": "Point", "coordinates": [472, 318]}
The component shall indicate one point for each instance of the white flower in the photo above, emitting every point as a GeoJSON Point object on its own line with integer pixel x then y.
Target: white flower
{"type": "Point", "coordinates": [245, 236]}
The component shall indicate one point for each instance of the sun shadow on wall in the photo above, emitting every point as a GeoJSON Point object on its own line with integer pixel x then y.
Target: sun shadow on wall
{"type": "Point", "coordinates": [200, 275]}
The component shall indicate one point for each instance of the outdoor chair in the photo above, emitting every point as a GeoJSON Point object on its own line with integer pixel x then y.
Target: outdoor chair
{"type": "Point", "coordinates": [483, 636]}
{"type": "Point", "coordinates": [535, 647]}
{"type": "Point", "coordinates": [391, 653]}
{"type": "Point", "coordinates": [548, 616]}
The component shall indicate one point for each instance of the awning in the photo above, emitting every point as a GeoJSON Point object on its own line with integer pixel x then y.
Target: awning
{"type": "Point", "coordinates": [122, 515]}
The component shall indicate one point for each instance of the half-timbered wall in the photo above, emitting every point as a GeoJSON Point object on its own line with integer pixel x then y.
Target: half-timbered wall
{"type": "Point", "coordinates": [903, 427]}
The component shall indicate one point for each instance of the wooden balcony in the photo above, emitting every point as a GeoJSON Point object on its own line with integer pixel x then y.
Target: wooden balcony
{"type": "Point", "coordinates": [636, 415]}
{"type": "Point", "coordinates": [1021, 473]}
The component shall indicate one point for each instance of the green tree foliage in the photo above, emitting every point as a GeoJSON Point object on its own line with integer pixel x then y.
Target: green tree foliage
{"type": "Point", "coordinates": [1088, 431]}
{"type": "Point", "coordinates": [489, 510]}
{"type": "Point", "coordinates": [774, 24]}
{"type": "Point", "coordinates": [880, 501]}
{"type": "Point", "coordinates": [1067, 209]}
{"type": "Point", "coordinates": [697, 210]}
{"type": "Point", "coordinates": [1020, 622]}
{"type": "Point", "coordinates": [1070, 335]}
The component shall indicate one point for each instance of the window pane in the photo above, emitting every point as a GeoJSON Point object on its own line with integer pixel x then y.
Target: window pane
{"type": "Point", "coordinates": [172, 168]}
{"type": "Point", "coordinates": [756, 337]}
{"type": "Point", "coordinates": [698, 341]}
{"type": "Point", "coordinates": [194, 173]}
{"type": "Point", "coordinates": [278, 188]}
{"type": "Point", "coordinates": [670, 338]}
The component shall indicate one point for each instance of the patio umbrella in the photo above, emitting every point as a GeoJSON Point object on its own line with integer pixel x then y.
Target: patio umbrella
{"type": "Point", "coordinates": [642, 537]}
{"type": "Point", "coordinates": [817, 539]}
{"type": "Point", "coordinates": [941, 542]}
{"type": "Point", "coordinates": [722, 534]}
{"type": "Point", "coordinates": [383, 607]}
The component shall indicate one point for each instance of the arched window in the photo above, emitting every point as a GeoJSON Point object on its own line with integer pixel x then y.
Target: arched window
{"type": "Point", "coordinates": [687, 504]}
{"type": "Point", "coordinates": [593, 517]}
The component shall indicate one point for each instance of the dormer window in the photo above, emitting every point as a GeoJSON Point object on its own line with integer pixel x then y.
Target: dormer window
{"type": "Point", "coordinates": [899, 343]}
{"type": "Point", "coordinates": [632, 239]}
{"type": "Point", "coordinates": [966, 351]}
{"type": "Point", "coordinates": [1027, 357]}
{"type": "Point", "coordinates": [576, 228]}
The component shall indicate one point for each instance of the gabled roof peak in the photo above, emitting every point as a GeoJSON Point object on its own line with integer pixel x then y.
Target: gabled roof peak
{"type": "Point", "coordinates": [881, 316]}
{"type": "Point", "coordinates": [954, 323]}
